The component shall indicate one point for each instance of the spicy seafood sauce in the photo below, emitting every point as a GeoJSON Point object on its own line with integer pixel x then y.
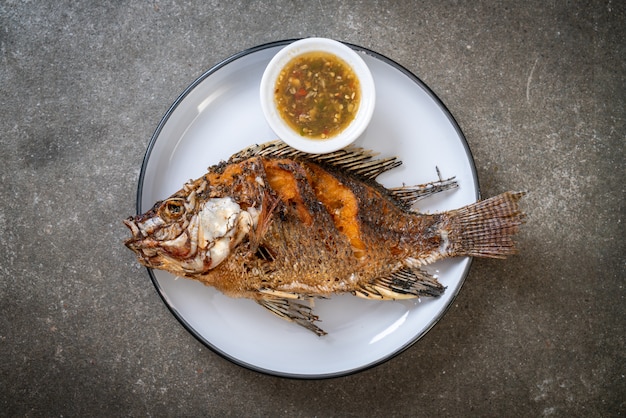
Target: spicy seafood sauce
{"type": "Point", "coordinates": [317, 94]}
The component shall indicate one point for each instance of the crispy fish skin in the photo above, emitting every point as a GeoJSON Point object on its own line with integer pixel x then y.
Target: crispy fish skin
{"type": "Point", "coordinates": [276, 225]}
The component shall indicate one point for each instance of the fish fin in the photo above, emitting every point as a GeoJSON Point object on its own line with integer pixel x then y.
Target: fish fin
{"type": "Point", "coordinates": [484, 228]}
{"type": "Point", "coordinates": [408, 195]}
{"type": "Point", "coordinates": [264, 253]}
{"type": "Point", "coordinates": [281, 294]}
{"type": "Point", "coordinates": [265, 220]}
{"type": "Point", "coordinates": [292, 311]}
{"type": "Point", "coordinates": [355, 160]}
{"type": "Point", "coordinates": [358, 161]}
{"type": "Point", "coordinates": [404, 283]}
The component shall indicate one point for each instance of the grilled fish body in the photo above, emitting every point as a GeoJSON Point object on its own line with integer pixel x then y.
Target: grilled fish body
{"type": "Point", "coordinates": [276, 225]}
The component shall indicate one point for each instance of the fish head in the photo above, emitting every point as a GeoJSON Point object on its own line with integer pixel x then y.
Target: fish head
{"type": "Point", "coordinates": [189, 236]}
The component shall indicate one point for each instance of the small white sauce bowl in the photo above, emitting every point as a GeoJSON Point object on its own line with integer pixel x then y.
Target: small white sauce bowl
{"type": "Point", "coordinates": [288, 134]}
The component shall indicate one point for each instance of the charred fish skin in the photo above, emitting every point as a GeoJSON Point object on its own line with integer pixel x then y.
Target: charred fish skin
{"type": "Point", "coordinates": [279, 226]}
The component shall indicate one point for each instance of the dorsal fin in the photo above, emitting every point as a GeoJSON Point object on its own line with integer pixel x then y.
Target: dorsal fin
{"type": "Point", "coordinates": [408, 195]}
{"type": "Point", "coordinates": [355, 160]}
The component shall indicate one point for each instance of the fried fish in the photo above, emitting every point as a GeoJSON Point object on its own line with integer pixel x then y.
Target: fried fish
{"type": "Point", "coordinates": [280, 227]}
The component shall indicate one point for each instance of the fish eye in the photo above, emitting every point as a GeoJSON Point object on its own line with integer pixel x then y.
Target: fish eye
{"type": "Point", "coordinates": [172, 210]}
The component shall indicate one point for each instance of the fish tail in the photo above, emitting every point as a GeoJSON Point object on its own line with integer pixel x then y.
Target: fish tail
{"type": "Point", "coordinates": [486, 228]}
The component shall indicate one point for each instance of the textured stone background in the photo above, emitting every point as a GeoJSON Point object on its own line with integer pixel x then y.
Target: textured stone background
{"type": "Point", "coordinates": [538, 87]}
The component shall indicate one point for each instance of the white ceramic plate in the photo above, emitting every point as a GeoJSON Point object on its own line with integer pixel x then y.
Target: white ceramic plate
{"type": "Point", "coordinates": [219, 114]}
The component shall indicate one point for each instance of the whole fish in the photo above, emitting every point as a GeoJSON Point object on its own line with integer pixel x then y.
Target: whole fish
{"type": "Point", "coordinates": [281, 227]}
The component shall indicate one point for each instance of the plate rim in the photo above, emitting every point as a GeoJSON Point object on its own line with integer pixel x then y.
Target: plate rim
{"type": "Point", "coordinates": [138, 207]}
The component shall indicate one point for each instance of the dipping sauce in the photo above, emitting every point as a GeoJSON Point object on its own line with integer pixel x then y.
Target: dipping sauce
{"type": "Point", "coordinates": [317, 94]}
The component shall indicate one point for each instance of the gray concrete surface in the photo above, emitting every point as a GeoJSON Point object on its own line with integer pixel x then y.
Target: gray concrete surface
{"type": "Point", "coordinates": [538, 88]}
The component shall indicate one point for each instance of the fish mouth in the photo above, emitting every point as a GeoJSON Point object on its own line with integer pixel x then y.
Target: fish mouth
{"type": "Point", "coordinates": [137, 244]}
{"type": "Point", "coordinates": [134, 229]}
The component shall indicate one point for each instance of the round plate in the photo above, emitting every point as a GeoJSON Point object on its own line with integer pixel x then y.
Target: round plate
{"type": "Point", "coordinates": [218, 115]}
